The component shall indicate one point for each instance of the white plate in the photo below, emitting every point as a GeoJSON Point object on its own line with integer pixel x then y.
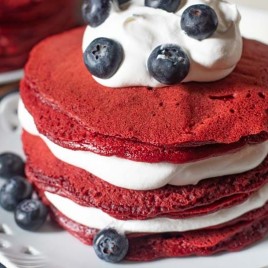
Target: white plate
{"type": "Point", "coordinates": [55, 248]}
{"type": "Point", "coordinates": [9, 77]}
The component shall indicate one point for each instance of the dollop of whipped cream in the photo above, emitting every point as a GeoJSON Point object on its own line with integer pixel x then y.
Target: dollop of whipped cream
{"type": "Point", "coordinates": [140, 29]}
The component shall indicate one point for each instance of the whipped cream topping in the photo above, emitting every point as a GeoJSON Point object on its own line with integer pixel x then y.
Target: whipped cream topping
{"type": "Point", "coordinates": [146, 176]}
{"type": "Point", "coordinates": [140, 29]}
{"type": "Point", "coordinates": [96, 218]}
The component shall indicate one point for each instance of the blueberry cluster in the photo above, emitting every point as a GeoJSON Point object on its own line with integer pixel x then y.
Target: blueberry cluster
{"type": "Point", "coordinates": [169, 64]}
{"type": "Point", "coordinates": [15, 194]}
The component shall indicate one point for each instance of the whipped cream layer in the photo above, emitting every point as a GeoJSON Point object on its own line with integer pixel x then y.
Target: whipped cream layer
{"type": "Point", "coordinates": [147, 176]}
{"type": "Point", "coordinates": [96, 218]}
{"type": "Point", "coordinates": [140, 29]}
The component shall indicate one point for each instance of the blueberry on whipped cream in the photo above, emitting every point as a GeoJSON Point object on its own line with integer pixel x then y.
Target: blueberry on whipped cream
{"type": "Point", "coordinates": [168, 5]}
{"type": "Point", "coordinates": [199, 21]}
{"type": "Point", "coordinates": [95, 12]}
{"type": "Point", "coordinates": [103, 57]}
{"type": "Point", "coordinates": [207, 31]}
{"type": "Point", "coordinates": [168, 64]}
{"type": "Point", "coordinates": [110, 246]}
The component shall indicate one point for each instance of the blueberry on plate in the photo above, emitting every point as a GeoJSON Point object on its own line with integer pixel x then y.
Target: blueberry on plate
{"type": "Point", "coordinates": [168, 5]}
{"type": "Point", "coordinates": [11, 165]}
{"type": "Point", "coordinates": [199, 21]}
{"type": "Point", "coordinates": [14, 191]}
{"type": "Point", "coordinates": [110, 246]}
{"type": "Point", "coordinates": [103, 57]}
{"type": "Point", "coordinates": [30, 214]}
{"type": "Point", "coordinates": [95, 12]}
{"type": "Point", "coordinates": [2, 266]}
{"type": "Point", "coordinates": [168, 64]}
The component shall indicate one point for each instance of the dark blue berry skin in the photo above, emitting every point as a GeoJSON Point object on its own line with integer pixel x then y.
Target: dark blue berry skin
{"type": "Point", "coordinates": [14, 191]}
{"type": "Point", "coordinates": [11, 165]}
{"type": "Point", "coordinates": [121, 2]}
{"type": "Point", "coordinates": [110, 246]}
{"type": "Point", "coordinates": [95, 12]}
{"type": "Point", "coordinates": [199, 21]}
{"type": "Point", "coordinates": [168, 64]}
{"type": "Point", "coordinates": [2, 266]}
{"type": "Point", "coordinates": [103, 57]}
{"type": "Point", "coordinates": [30, 214]}
{"type": "Point", "coordinates": [168, 5]}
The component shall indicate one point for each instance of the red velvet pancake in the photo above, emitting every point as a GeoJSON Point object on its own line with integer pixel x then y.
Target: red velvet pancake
{"type": "Point", "coordinates": [231, 236]}
{"type": "Point", "coordinates": [50, 174]}
{"type": "Point", "coordinates": [25, 23]}
{"type": "Point", "coordinates": [17, 5]}
{"type": "Point", "coordinates": [53, 123]}
{"type": "Point", "coordinates": [178, 123]}
{"type": "Point", "coordinates": [14, 11]}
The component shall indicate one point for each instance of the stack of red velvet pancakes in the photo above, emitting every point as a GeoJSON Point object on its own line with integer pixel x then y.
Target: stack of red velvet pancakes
{"type": "Point", "coordinates": [23, 23]}
{"type": "Point", "coordinates": [180, 169]}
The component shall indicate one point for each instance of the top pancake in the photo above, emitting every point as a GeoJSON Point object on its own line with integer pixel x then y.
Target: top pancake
{"type": "Point", "coordinates": [188, 114]}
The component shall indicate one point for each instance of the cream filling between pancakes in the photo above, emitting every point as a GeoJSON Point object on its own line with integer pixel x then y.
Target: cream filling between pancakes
{"type": "Point", "coordinates": [147, 176]}
{"type": "Point", "coordinates": [96, 218]}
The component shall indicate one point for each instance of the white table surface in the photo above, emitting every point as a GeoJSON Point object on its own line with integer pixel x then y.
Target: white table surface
{"type": "Point", "coordinates": [252, 3]}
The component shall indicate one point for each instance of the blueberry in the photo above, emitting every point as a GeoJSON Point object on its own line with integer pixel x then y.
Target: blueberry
{"type": "Point", "coordinates": [2, 266]}
{"type": "Point", "coordinates": [110, 246]}
{"type": "Point", "coordinates": [31, 214]}
{"type": "Point", "coordinates": [14, 191]}
{"type": "Point", "coordinates": [103, 57]}
{"type": "Point", "coordinates": [11, 165]}
{"type": "Point", "coordinates": [168, 5]}
{"type": "Point", "coordinates": [168, 64]}
{"type": "Point", "coordinates": [121, 2]}
{"type": "Point", "coordinates": [199, 21]}
{"type": "Point", "coordinates": [95, 12]}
